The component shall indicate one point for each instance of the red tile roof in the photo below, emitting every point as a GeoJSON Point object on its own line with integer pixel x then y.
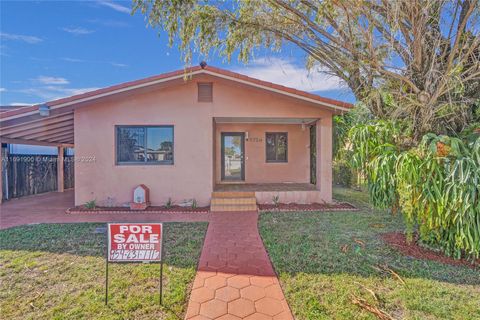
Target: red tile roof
{"type": "Point", "coordinates": [208, 69]}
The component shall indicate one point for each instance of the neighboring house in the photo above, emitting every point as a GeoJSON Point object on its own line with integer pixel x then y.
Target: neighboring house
{"type": "Point", "coordinates": [186, 134]}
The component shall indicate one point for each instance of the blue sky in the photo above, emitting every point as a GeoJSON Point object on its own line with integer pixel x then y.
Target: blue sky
{"type": "Point", "coordinates": [56, 49]}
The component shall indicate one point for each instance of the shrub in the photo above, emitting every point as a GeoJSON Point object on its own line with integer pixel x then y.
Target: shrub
{"type": "Point", "coordinates": [436, 185]}
{"type": "Point", "coordinates": [342, 174]}
{"type": "Point", "coordinates": [92, 204]}
{"type": "Point", "coordinates": [169, 203]}
{"type": "Point", "coordinates": [276, 200]}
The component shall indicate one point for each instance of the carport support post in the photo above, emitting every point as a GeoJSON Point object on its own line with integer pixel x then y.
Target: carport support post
{"type": "Point", "coordinates": [1, 171]}
{"type": "Point", "coordinates": [324, 158]}
{"type": "Point", "coordinates": [60, 165]}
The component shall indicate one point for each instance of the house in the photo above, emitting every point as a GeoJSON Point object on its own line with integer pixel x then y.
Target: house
{"type": "Point", "coordinates": [189, 134]}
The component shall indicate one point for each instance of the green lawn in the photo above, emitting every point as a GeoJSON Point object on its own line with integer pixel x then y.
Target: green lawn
{"type": "Point", "coordinates": [57, 271]}
{"type": "Point", "coordinates": [320, 279]}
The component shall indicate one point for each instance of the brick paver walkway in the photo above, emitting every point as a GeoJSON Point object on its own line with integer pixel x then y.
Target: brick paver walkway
{"type": "Point", "coordinates": [235, 279]}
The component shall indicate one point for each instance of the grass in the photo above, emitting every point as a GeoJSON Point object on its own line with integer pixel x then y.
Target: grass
{"type": "Point", "coordinates": [320, 279]}
{"type": "Point", "coordinates": [57, 271]}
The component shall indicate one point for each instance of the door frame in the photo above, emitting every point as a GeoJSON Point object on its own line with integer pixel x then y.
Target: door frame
{"type": "Point", "coordinates": [222, 155]}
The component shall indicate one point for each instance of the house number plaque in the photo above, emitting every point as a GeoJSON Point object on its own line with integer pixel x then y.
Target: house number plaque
{"type": "Point", "coordinates": [254, 139]}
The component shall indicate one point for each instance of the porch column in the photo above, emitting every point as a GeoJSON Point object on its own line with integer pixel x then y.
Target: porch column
{"type": "Point", "coordinates": [60, 165]}
{"type": "Point", "coordinates": [324, 158]}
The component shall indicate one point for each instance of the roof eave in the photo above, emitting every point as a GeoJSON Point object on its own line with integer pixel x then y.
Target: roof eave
{"type": "Point", "coordinates": [334, 105]}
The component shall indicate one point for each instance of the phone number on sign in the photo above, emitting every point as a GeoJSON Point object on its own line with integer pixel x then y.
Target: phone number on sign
{"type": "Point", "coordinates": [134, 255]}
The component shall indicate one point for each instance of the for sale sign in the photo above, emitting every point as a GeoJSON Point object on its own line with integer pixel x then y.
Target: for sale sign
{"type": "Point", "coordinates": [139, 242]}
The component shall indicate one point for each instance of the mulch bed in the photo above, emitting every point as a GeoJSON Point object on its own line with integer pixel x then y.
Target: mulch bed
{"type": "Point", "coordinates": [151, 209]}
{"type": "Point", "coordinates": [287, 207]}
{"type": "Point", "coordinates": [398, 241]}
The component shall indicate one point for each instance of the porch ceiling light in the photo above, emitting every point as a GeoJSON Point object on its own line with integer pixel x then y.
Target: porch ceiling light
{"type": "Point", "coordinates": [44, 110]}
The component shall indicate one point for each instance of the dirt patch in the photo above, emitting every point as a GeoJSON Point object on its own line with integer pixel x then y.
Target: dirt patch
{"type": "Point", "coordinates": [398, 241]}
{"type": "Point", "coordinates": [151, 209]}
{"type": "Point", "coordinates": [341, 206]}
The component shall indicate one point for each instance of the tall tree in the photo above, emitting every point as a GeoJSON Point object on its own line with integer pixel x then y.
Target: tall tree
{"type": "Point", "coordinates": [416, 61]}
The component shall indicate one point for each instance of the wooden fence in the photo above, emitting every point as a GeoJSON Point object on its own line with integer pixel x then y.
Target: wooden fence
{"type": "Point", "coordinates": [32, 174]}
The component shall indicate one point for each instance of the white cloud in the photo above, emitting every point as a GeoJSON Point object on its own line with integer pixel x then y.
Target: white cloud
{"type": "Point", "coordinates": [20, 37]}
{"type": "Point", "coordinates": [45, 88]}
{"type": "Point", "coordinates": [51, 80]}
{"type": "Point", "coordinates": [115, 6]}
{"type": "Point", "coordinates": [114, 64]}
{"type": "Point", "coordinates": [289, 74]}
{"type": "Point", "coordinates": [120, 65]}
{"type": "Point", "coordinates": [78, 31]}
{"type": "Point", "coordinates": [54, 92]}
{"type": "Point", "coordinates": [72, 59]}
{"type": "Point", "coordinates": [3, 89]}
{"type": "Point", "coordinates": [21, 104]}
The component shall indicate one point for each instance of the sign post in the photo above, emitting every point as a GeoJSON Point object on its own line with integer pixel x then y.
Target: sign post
{"type": "Point", "coordinates": [134, 242]}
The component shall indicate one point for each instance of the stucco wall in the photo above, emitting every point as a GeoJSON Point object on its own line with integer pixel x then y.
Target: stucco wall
{"type": "Point", "coordinates": [189, 177]}
{"type": "Point", "coordinates": [192, 175]}
{"type": "Point", "coordinates": [257, 170]}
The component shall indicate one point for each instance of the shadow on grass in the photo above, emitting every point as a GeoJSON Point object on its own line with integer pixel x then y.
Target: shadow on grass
{"type": "Point", "coordinates": [335, 243]}
{"type": "Point", "coordinates": [81, 239]}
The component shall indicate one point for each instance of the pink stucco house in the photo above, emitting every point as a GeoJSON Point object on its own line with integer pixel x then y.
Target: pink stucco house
{"type": "Point", "coordinates": [189, 134]}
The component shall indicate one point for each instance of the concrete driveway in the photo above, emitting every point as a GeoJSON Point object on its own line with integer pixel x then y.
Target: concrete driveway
{"type": "Point", "coordinates": [50, 208]}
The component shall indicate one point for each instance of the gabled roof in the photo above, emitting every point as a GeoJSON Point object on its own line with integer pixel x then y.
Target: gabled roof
{"type": "Point", "coordinates": [25, 125]}
{"type": "Point", "coordinates": [222, 73]}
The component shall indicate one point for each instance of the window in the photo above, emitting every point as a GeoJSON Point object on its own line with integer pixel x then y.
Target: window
{"type": "Point", "coordinates": [205, 92]}
{"type": "Point", "coordinates": [144, 144]}
{"type": "Point", "coordinates": [276, 146]}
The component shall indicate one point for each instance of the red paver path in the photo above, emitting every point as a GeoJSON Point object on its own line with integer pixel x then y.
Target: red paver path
{"type": "Point", "coordinates": [50, 208]}
{"type": "Point", "coordinates": [235, 279]}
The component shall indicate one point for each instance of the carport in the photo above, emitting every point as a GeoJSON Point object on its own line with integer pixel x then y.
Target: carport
{"type": "Point", "coordinates": [39, 125]}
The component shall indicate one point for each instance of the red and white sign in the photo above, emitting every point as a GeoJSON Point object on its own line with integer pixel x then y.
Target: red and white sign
{"type": "Point", "coordinates": [134, 242]}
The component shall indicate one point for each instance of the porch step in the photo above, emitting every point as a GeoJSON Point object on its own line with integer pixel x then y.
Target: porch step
{"type": "Point", "coordinates": [233, 201]}
{"type": "Point", "coordinates": [233, 194]}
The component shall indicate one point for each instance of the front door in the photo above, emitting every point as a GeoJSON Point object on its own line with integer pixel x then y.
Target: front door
{"type": "Point", "coordinates": [233, 164]}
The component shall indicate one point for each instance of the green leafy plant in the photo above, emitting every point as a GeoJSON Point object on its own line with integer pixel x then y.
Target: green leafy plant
{"type": "Point", "coordinates": [342, 173]}
{"type": "Point", "coordinates": [436, 185]}
{"type": "Point", "coordinates": [276, 200]}
{"type": "Point", "coordinates": [92, 204]}
{"type": "Point", "coordinates": [169, 203]}
{"type": "Point", "coordinates": [194, 204]}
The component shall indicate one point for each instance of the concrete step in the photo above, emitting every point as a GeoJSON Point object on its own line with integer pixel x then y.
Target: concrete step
{"type": "Point", "coordinates": [232, 201]}
{"type": "Point", "coordinates": [233, 207]}
{"type": "Point", "coordinates": [233, 194]}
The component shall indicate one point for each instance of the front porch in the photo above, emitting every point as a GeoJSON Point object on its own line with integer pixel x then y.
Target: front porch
{"type": "Point", "coordinates": [285, 160]}
{"type": "Point", "coordinates": [264, 187]}
{"type": "Point", "coordinates": [265, 193]}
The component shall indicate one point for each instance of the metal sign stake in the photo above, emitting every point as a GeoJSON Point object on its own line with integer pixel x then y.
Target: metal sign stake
{"type": "Point", "coordinates": [161, 270]}
{"type": "Point", "coordinates": [107, 258]}
{"type": "Point", "coordinates": [106, 268]}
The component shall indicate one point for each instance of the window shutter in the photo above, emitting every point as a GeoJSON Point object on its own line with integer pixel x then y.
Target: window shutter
{"type": "Point", "coordinates": [205, 92]}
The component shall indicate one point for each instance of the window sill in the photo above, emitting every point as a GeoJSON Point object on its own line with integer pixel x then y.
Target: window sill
{"type": "Point", "coordinates": [121, 164]}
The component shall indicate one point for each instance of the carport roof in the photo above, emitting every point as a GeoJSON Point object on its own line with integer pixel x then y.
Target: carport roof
{"type": "Point", "coordinates": [26, 126]}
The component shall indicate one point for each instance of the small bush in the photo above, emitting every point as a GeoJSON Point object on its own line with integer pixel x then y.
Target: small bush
{"type": "Point", "coordinates": [169, 203]}
{"type": "Point", "coordinates": [342, 174]}
{"type": "Point", "coordinates": [92, 204]}
{"type": "Point", "coordinates": [276, 200]}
